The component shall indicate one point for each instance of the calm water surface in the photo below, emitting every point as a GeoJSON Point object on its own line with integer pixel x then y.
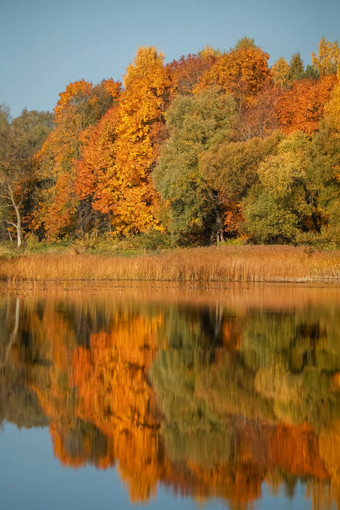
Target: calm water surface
{"type": "Point", "coordinates": [152, 397]}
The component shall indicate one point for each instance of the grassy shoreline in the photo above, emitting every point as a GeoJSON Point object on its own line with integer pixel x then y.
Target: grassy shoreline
{"type": "Point", "coordinates": [205, 265]}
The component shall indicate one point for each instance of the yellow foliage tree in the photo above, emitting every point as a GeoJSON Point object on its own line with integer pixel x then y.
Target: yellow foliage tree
{"type": "Point", "coordinates": [141, 114]}
{"type": "Point", "coordinates": [280, 72]}
{"type": "Point", "coordinates": [327, 59]}
{"type": "Point", "coordinates": [332, 109]}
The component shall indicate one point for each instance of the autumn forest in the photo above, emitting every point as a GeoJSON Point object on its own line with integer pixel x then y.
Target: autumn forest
{"type": "Point", "coordinates": [213, 147]}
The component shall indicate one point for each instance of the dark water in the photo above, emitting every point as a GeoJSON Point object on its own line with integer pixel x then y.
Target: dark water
{"type": "Point", "coordinates": [155, 397]}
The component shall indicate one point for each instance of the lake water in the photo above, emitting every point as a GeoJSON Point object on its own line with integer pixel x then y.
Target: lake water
{"type": "Point", "coordinates": [142, 396]}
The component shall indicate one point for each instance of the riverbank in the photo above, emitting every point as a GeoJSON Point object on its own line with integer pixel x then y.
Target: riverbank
{"type": "Point", "coordinates": [211, 264]}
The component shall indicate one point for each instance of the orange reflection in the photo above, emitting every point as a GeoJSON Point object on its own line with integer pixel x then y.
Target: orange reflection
{"type": "Point", "coordinates": [113, 393]}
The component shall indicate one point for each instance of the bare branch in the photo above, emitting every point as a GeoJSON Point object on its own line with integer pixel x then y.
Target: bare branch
{"type": "Point", "coordinates": [10, 223]}
{"type": "Point", "coordinates": [6, 206]}
{"type": "Point", "coordinates": [6, 196]}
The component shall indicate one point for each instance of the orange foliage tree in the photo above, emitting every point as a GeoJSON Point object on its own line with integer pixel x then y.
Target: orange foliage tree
{"type": "Point", "coordinates": [97, 181]}
{"type": "Point", "coordinates": [186, 72]}
{"type": "Point", "coordinates": [302, 107]}
{"type": "Point", "coordinates": [78, 107]}
{"type": "Point", "coordinates": [260, 119]}
{"type": "Point", "coordinates": [241, 72]}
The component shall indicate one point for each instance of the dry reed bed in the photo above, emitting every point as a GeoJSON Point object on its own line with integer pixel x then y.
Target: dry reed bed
{"type": "Point", "coordinates": [213, 264]}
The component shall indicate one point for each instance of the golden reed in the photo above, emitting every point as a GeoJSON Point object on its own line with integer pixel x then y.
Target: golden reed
{"type": "Point", "coordinates": [212, 264]}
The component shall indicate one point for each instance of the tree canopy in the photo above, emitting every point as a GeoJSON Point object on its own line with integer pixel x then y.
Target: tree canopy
{"type": "Point", "coordinates": [216, 144]}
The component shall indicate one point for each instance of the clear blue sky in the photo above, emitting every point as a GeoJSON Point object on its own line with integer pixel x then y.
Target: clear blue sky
{"type": "Point", "coordinates": [45, 44]}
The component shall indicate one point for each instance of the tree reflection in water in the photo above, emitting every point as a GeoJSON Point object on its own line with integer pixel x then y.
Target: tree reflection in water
{"type": "Point", "coordinates": [209, 399]}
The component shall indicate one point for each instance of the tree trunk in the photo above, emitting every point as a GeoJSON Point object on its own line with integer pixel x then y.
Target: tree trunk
{"type": "Point", "coordinates": [18, 225]}
{"type": "Point", "coordinates": [16, 207]}
{"type": "Point", "coordinates": [14, 334]}
{"type": "Point", "coordinates": [219, 229]}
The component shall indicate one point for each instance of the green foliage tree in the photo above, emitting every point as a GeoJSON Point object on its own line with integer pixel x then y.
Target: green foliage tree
{"type": "Point", "coordinates": [311, 73]}
{"type": "Point", "coordinates": [196, 124]}
{"type": "Point", "coordinates": [20, 138]}
{"type": "Point", "coordinates": [323, 170]}
{"type": "Point", "coordinates": [286, 201]}
{"type": "Point", "coordinates": [245, 43]}
{"type": "Point", "coordinates": [296, 67]}
{"type": "Point", "coordinates": [231, 169]}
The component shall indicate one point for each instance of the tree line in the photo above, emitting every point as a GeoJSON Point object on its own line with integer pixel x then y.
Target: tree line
{"type": "Point", "coordinates": [213, 146]}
